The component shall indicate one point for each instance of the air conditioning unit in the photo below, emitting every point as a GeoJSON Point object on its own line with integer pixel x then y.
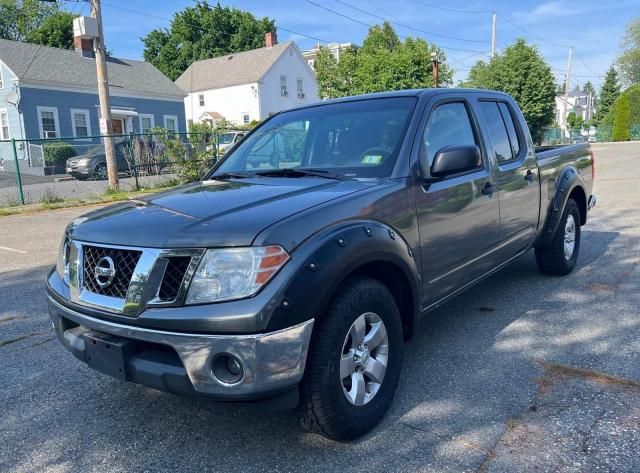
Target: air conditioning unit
{"type": "Point", "coordinates": [300, 94]}
{"type": "Point", "coordinates": [284, 93]}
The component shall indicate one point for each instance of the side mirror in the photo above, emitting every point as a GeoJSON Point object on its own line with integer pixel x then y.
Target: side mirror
{"type": "Point", "coordinates": [455, 159]}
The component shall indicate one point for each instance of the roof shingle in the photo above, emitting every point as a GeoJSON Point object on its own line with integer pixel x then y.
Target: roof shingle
{"type": "Point", "coordinates": [33, 62]}
{"type": "Point", "coordinates": [233, 69]}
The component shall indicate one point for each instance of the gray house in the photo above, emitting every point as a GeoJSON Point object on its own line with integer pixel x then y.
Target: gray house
{"type": "Point", "coordinates": [52, 93]}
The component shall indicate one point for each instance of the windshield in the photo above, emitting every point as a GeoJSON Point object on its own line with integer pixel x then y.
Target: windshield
{"type": "Point", "coordinates": [354, 139]}
{"type": "Point", "coordinates": [226, 138]}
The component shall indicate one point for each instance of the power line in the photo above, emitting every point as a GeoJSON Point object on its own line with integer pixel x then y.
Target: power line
{"type": "Point", "coordinates": [411, 27]}
{"type": "Point", "coordinates": [455, 10]}
{"type": "Point", "coordinates": [400, 36]}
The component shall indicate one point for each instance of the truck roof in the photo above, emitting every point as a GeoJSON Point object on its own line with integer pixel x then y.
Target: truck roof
{"type": "Point", "coordinates": [403, 93]}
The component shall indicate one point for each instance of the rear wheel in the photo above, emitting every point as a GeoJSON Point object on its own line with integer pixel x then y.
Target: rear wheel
{"type": "Point", "coordinates": [354, 362]}
{"type": "Point", "coordinates": [100, 171]}
{"type": "Point", "coordinates": [559, 258]}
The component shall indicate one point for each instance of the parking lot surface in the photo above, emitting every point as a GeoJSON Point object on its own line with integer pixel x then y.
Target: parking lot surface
{"type": "Point", "coordinates": [524, 372]}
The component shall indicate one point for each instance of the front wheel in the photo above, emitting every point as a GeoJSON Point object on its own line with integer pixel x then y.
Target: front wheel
{"type": "Point", "coordinates": [354, 362]}
{"type": "Point", "coordinates": [559, 258]}
{"type": "Point", "coordinates": [100, 172]}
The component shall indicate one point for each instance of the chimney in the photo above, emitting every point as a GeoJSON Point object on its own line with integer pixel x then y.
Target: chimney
{"type": "Point", "coordinates": [270, 39]}
{"type": "Point", "coordinates": [84, 46]}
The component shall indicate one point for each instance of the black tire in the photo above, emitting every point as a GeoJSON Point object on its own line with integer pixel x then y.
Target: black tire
{"type": "Point", "coordinates": [551, 259]}
{"type": "Point", "coordinates": [324, 407]}
{"type": "Point", "coordinates": [100, 172]}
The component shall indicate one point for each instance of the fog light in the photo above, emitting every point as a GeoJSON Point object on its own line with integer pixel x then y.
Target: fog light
{"type": "Point", "coordinates": [227, 369]}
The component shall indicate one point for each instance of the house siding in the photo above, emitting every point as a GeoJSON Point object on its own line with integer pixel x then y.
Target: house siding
{"type": "Point", "coordinates": [32, 98]}
{"type": "Point", "coordinates": [230, 102]}
{"type": "Point", "coordinates": [8, 78]}
{"type": "Point", "coordinates": [292, 65]}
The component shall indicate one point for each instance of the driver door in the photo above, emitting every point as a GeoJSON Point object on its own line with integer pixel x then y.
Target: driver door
{"type": "Point", "coordinates": [458, 219]}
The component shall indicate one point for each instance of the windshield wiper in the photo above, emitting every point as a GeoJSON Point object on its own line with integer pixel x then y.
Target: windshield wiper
{"type": "Point", "coordinates": [230, 175]}
{"type": "Point", "coordinates": [298, 172]}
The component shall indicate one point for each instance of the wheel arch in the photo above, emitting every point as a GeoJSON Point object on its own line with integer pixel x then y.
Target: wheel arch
{"type": "Point", "coordinates": [364, 248]}
{"type": "Point", "coordinates": [570, 186]}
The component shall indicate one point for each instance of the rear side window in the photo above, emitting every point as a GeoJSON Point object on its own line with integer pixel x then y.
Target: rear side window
{"type": "Point", "coordinates": [504, 137]}
{"type": "Point", "coordinates": [511, 128]}
{"type": "Point", "coordinates": [448, 125]}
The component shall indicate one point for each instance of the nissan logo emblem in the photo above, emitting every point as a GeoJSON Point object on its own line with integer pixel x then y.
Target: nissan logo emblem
{"type": "Point", "coordinates": [104, 271]}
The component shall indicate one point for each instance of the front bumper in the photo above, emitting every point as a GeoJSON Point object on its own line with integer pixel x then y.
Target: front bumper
{"type": "Point", "coordinates": [181, 363]}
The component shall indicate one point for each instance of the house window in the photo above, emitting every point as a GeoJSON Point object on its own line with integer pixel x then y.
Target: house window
{"type": "Point", "coordinates": [311, 63]}
{"type": "Point", "coordinates": [245, 118]}
{"type": "Point", "coordinates": [299, 88]}
{"type": "Point", "coordinates": [171, 123]}
{"type": "Point", "coordinates": [146, 124]}
{"type": "Point", "coordinates": [4, 125]}
{"type": "Point", "coordinates": [80, 123]}
{"type": "Point", "coordinates": [201, 100]}
{"type": "Point", "coordinates": [283, 86]}
{"type": "Point", "coordinates": [48, 121]}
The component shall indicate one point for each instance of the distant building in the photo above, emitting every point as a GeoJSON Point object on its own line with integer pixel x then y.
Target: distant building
{"type": "Point", "coordinates": [578, 102]}
{"type": "Point", "coordinates": [247, 86]}
{"type": "Point", "coordinates": [53, 93]}
{"type": "Point", "coordinates": [336, 49]}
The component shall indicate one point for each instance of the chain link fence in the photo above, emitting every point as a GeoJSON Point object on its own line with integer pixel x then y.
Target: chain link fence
{"type": "Point", "coordinates": [557, 136]}
{"type": "Point", "coordinates": [54, 170]}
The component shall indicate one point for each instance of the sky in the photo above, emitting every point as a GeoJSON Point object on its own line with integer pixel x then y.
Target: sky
{"type": "Point", "coordinates": [462, 28]}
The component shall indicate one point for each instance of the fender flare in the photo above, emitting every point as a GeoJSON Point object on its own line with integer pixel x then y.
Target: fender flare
{"type": "Point", "coordinates": [326, 259]}
{"type": "Point", "coordinates": [569, 180]}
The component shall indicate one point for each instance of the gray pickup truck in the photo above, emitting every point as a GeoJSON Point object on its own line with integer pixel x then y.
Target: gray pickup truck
{"type": "Point", "coordinates": [294, 271]}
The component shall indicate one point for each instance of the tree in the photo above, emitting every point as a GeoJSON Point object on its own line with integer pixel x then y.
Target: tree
{"type": "Point", "coordinates": [608, 94]}
{"type": "Point", "coordinates": [203, 32]}
{"type": "Point", "coordinates": [588, 88]}
{"type": "Point", "coordinates": [629, 58]}
{"type": "Point", "coordinates": [384, 62]}
{"type": "Point", "coordinates": [621, 121]}
{"type": "Point", "coordinates": [521, 72]}
{"type": "Point", "coordinates": [574, 122]}
{"type": "Point", "coordinates": [56, 31]}
{"type": "Point", "coordinates": [19, 18]}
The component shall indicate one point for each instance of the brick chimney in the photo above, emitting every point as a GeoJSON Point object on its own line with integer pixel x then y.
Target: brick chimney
{"type": "Point", "coordinates": [270, 39]}
{"type": "Point", "coordinates": [83, 46]}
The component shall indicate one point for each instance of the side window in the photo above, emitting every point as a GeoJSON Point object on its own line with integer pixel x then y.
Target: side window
{"type": "Point", "coordinates": [497, 131]}
{"type": "Point", "coordinates": [514, 138]}
{"type": "Point", "coordinates": [448, 125]}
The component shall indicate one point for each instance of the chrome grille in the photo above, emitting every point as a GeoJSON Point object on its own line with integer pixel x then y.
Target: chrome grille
{"type": "Point", "coordinates": [173, 276]}
{"type": "Point", "coordinates": [125, 262]}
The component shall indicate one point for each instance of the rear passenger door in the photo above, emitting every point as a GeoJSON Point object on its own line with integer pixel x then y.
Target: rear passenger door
{"type": "Point", "coordinates": [516, 175]}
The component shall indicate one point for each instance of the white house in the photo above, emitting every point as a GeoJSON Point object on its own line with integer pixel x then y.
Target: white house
{"type": "Point", "coordinates": [247, 86]}
{"type": "Point", "coordinates": [578, 102]}
{"type": "Point", "coordinates": [336, 50]}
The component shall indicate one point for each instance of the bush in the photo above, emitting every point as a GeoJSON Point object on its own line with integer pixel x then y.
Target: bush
{"type": "Point", "coordinates": [621, 120]}
{"type": "Point", "coordinates": [58, 152]}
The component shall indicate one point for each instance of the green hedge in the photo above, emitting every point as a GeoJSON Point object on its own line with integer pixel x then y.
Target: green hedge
{"type": "Point", "coordinates": [58, 152]}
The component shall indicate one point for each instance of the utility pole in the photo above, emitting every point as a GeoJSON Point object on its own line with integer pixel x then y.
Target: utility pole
{"type": "Point", "coordinates": [566, 89]}
{"type": "Point", "coordinates": [435, 61]}
{"type": "Point", "coordinates": [493, 36]}
{"type": "Point", "coordinates": [103, 93]}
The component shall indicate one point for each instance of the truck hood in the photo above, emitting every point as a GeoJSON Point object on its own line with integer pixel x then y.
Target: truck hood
{"type": "Point", "coordinates": [208, 213]}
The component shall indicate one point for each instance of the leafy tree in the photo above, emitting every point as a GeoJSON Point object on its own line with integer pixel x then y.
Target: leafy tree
{"type": "Point", "coordinates": [608, 94]}
{"type": "Point", "coordinates": [56, 31]}
{"type": "Point", "coordinates": [588, 88]}
{"type": "Point", "coordinates": [574, 121]}
{"type": "Point", "coordinates": [633, 93]}
{"type": "Point", "coordinates": [521, 72]}
{"type": "Point", "coordinates": [621, 121]}
{"type": "Point", "coordinates": [629, 58]}
{"type": "Point", "coordinates": [384, 62]}
{"type": "Point", "coordinates": [19, 18]}
{"type": "Point", "coordinates": [203, 32]}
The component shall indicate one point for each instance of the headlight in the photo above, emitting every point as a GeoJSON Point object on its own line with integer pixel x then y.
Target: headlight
{"type": "Point", "coordinates": [62, 264]}
{"type": "Point", "coordinates": [233, 273]}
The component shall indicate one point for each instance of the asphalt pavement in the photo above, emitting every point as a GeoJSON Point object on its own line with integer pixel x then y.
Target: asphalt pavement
{"type": "Point", "coordinates": [524, 372]}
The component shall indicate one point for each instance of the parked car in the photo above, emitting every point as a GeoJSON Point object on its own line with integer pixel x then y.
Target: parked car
{"type": "Point", "coordinates": [227, 140]}
{"type": "Point", "coordinates": [296, 279]}
{"type": "Point", "coordinates": [93, 164]}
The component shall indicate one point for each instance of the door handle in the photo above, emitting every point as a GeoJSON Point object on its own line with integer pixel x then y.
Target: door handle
{"type": "Point", "coordinates": [488, 188]}
{"type": "Point", "coordinates": [530, 176]}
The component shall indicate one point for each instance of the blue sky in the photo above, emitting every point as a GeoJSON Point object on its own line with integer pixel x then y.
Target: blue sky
{"type": "Point", "coordinates": [594, 28]}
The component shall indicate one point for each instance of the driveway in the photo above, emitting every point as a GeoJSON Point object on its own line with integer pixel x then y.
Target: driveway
{"type": "Point", "coordinates": [524, 372]}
